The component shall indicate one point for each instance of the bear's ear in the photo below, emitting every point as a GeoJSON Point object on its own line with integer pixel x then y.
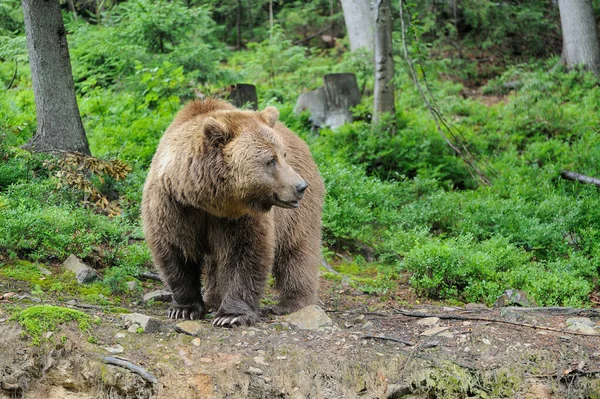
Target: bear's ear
{"type": "Point", "coordinates": [216, 132]}
{"type": "Point", "coordinates": [270, 115]}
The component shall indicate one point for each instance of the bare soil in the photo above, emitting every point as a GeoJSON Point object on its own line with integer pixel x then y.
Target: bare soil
{"type": "Point", "coordinates": [272, 359]}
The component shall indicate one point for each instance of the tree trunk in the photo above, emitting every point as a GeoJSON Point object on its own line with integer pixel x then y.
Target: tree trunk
{"type": "Point", "coordinates": [242, 94]}
{"type": "Point", "coordinates": [580, 35]}
{"type": "Point", "coordinates": [59, 126]}
{"type": "Point", "coordinates": [383, 92]}
{"type": "Point", "coordinates": [239, 24]}
{"type": "Point", "coordinates": [358, 17]}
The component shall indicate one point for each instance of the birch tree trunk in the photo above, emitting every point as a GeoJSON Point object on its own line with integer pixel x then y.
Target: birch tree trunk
{"type": "Point", "coordinates": [59, 126]}
{"type": "Point", "coordinates": [358, 17]}
{"type": "Point", "coordinates": [383, 92]}
{"type": "Point", "coordinates": [580, 35]}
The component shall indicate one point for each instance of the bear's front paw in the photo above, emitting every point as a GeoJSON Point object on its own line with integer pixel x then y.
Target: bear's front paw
{"type": "Point", "coordinates": [230, 320]}
{"type": "Point", "coordinates": [195, 311]}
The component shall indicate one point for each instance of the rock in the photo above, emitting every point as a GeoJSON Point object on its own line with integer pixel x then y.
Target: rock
{"type": "Point", "coordinates": [446, 334]}
{"type": "Point", "coordinates": [511, 314]}
{"type": "Point", "coordinates": [147, 323]}
{"type": "Point", "coordinates": [120, 335]}
{"type": "Point", "coordinates": [486, 341]}
{"type": "Point", "coordinates": [515, 298]}
{"type": "Point", "coordinates": [189, 327]}
{"type": "Point", "coordinates": [114, 348]}
{"type": "Point", "coordinates": [434, 331]}
{"type": "Point", "coordinates": [133, 328]}
{"type": "Point", "coordinates": [83, 273]}
{"type": "Point", "coordinates": [580, 320]}
{"type": "Point", "coordinates": [159, 295]}
{"type": "Point", "coordinates": [428, 321]}
{"type": "Point", "coordinates": [260, 360]}
{"type": "Point", "coordinates": [367, 326]}
{"type": "Point", "coordinates": [255, 371]}
{"type": "Point", "coordinates": [309, 318]}
{"type": "Point", "coordinates": [583, 328]}
{"type": "Point", "coordinates": [131, 285]}
{"type": "Point", "coordinates": [475, 306]}
{"type": "Point", "coordinates": [43, 270]}
{"type": "Point", "coordinates": [196, 342]}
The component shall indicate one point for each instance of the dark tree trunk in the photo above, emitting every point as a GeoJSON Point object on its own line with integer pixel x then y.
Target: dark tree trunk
{"type": "Point", "coordinates": [383, 93]}
{"type": "Point", "coordinates": [59, 126]}
{"type": "Point", "coordinates": [242, 95]}
{"type": "Point", "coordinates": [239, 24]}
{"type": "Point", "coordinates": [580, 35]}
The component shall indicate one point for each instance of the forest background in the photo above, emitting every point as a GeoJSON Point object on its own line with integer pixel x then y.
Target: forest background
{"type": "Point", "coordinates": [401, 207]}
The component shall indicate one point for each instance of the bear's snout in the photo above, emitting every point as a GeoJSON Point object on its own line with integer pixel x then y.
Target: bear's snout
{"type": "Point", "coordinates": [300, 189]}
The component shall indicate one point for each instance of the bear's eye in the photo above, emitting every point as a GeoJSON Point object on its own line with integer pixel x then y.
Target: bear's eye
{"type": "Point", "coordinates": [271, 162]}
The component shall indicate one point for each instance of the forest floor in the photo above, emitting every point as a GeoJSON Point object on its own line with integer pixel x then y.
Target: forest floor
{"type": "Point", "coordinates": [459, 354]}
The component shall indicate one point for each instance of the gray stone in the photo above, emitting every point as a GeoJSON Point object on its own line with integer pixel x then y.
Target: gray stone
{"type": "Point", "coordinates": [368, 325]}
{"type": "Point", "coordinates": [255, 371]}
{"type": "Point", "coordinates": [434, 331]}
{"type": "Point", "coordinates": [309, 318]}
{"type": "Point", "coordinates": [147, 323]}
{"type": "Point", "coordinates": [189, 327]}
{"type": "Point", "coordinates": [159, 295]}
{"type": "Point", "coordinates": [580, 320]}
{"type": "Point", "coordinates": [43, 270]}
{"type": "Point", "coordinates": [131, 285]}
{"type": "Point", "coordinates": [515, 298]}
{"type": "Point", "coordinates": [583, 328]}
{"type": "Point", "coordinates": [114, 348]}
{"type": "Point", "coordinates": [83, 273]}
{"type": "Point", "coordinates": [511, 314]}
{"type": "Point", "coordinates": [133, 328]}
{"type": "Point", "coordinates": [428, 321]}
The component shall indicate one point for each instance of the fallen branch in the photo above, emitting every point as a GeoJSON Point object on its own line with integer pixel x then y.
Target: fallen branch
{"type": "Point", "coordinates": [115, 361]}
{"type": "Point", "coordinates": [387, 339]}
{"type": "Point", "coordinates": [150, 276]}
{"type": "Point", "coordinates": [488, 319]}
{"type": "Point", "coordinates": [565, 174]}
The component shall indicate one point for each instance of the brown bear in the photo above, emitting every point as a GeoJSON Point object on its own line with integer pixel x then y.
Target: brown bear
{"type": "Point", "coordinates": [222, 201]}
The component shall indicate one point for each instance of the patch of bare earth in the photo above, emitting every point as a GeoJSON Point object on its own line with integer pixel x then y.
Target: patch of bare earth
{"type": "Point", "coordinates": [360, 356]}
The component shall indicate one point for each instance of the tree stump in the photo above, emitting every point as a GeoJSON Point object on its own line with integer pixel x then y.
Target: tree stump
{"type": "Point", "coordinates": [330, 105]}
{"type": "Point", "coordinates": [243, 95]}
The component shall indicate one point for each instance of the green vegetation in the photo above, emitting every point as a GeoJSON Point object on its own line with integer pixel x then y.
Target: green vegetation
{"type": "Point", "coordinates": [37, 320]}
{"type": "Point", "coordinates": [399, 201]}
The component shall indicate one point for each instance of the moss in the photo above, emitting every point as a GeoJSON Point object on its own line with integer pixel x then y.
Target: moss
{"type": "Point", "coordinates": [37, 320]}
{"type": "Point", "coordinates": [21, 270]}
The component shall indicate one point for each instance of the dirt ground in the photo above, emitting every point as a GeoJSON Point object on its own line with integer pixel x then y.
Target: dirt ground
{"type": "Point", "coordinates": [359, 356]}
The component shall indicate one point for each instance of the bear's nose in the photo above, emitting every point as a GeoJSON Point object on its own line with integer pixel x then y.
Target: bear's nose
{"type": "Point", "coordinates": [301, 188]}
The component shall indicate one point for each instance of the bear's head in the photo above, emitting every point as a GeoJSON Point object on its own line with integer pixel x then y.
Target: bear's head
{"type": "Point", "coordinates": [251, 159]}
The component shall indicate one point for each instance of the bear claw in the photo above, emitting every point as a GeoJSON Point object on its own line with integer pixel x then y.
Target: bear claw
{"type": "Point", "coordinates": [233, 320]}
{"type": "Point", "coordinates": [191, 312]}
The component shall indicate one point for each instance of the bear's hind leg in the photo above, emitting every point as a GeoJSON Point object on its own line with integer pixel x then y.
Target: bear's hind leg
{"type": "Point", "coordinates": [183, 278]}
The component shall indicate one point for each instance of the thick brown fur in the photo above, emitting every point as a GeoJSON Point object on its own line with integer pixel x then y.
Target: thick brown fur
{"type": "Point", "coordinates": [215, 205]}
